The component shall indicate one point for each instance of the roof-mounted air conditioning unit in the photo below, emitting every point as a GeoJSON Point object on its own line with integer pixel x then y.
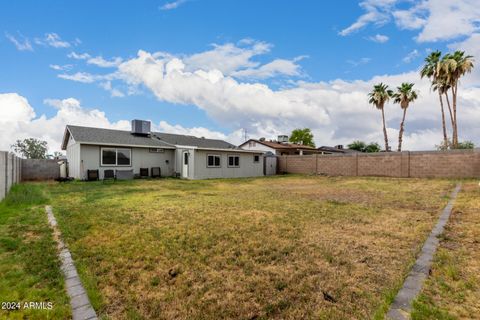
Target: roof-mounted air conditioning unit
{"type": "Point", "coordinates": [141, 127]}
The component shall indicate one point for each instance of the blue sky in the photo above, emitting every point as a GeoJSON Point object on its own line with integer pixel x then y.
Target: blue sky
{"type": "Point", "coordinates": [311, 38]}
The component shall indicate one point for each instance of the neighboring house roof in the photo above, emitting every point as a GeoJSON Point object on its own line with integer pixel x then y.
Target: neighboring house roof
{"type": "Point", "coordinates": [336, 150]}
{"type": "Point", "coordinates": [281, 146]}
{"type": "Point", "coordinates": [88, 135]}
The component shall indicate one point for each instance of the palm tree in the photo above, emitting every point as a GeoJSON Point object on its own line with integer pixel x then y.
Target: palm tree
{"type": "Point", "coordinates": [404, 96]}
{"type": "Point", "coordinates": [452, 68]}
{"type": "Point", "coordinates": [378, 97]}
{"type": "Point", "coordinates": [442, 87]}
{"type": "Point", "coordinates": [429, 70]}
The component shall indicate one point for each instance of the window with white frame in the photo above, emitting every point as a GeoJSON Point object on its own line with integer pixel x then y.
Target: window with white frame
{"type": "Point", "coordinates": [234, 161]}
{"type": "Point", "coordinates": [256, 158]}
{"type": "Point", "coordinates": [116, 157]}
{"type": "Point", "coordinates": [213, 161]}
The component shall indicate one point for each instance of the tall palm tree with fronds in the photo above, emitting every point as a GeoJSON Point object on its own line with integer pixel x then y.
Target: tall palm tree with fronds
{"type": "Point", "coordinates": [452, 68]}
{"type": "Point", "coordinates": [430, 70]}
{"type": "Point", "coordinates": [404, 96]}
{"type": "Point", "coordinates": [378, 97]}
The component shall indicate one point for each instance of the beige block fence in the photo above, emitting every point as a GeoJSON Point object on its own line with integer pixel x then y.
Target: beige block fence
{"type": "Point", "coordinates": [414, 164]}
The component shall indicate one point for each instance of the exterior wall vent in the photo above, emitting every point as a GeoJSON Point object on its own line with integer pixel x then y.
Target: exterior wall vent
{"type": "Point", "coordinates": [141, 127]}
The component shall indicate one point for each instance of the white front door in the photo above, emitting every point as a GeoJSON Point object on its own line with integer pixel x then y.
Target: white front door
{"type": "Point", "coordinates": [185, 160]}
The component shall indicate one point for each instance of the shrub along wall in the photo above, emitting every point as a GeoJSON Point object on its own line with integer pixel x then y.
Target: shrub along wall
{"type": "Point", "coordinates": [416, 164]}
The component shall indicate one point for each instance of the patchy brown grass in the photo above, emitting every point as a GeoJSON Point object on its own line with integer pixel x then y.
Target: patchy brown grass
{"type": "Point", "coordinates": [279, 248]}
{"type": "Point", "coordinates": [453, 289]}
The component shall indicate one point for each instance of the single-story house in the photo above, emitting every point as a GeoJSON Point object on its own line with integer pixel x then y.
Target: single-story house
{"type": "Point", "coordinates": [279, 147]}
{"type": "Point", "coordinates": [139, 150]}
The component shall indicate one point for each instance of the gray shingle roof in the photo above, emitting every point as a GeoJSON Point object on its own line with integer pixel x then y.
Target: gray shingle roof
{"type": "Point", "coordinates": [156, 139]}
{"type": "Point", "coordinates": [113, 137]}
{"type": "Point", "coordinates": [184, 140]}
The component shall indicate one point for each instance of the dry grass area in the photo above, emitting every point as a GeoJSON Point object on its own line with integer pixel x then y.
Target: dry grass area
{"type": "Point", "coordinates": [286, 247]}
{"type": "Point", "coordinates": [453, 289]}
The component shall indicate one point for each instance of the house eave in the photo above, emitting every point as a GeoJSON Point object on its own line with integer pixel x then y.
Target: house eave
{"type": "Point", "coordinates": [124, 145]}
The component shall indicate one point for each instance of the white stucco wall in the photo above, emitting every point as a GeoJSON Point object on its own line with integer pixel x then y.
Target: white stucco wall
{"type": "Point", "coordinates": [258, 147]}
{"type": "Point", "coordinates": [141, 158]}
{"type": "Point", "coordinates": [248, 168]}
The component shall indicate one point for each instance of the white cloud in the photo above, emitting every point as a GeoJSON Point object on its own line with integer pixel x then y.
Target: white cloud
{"type": "Point", "coordinates": [21, 45]}
{"type": "Point", "coordinates": [275, 68]}
{"type": "Point", "coordinates": [57, 67]}
{"type": "Point", "coordinates": [449, 19]}
{"type": "Point", "coordinates": [101, 62]}
{"type": "Point", "coordinates": [18, 121]}
{"type": "Point", "coordinates": [359, 62]}
{"type": "Point", "coordinates": [376, 12]}
{"type": "Point", "coordinates": [380, 38]}
{"type": "Point", "coordinates": [437, 20]}
{"type": "Point", "coordinates": [98, 61]}
{"type": "Point", "coordinates": [172, 5]}
{"type": "Point", "coordinates": [412, 18]}
{"type": "Point", "coordinates": [15, 108]}
{"type": "Point", "coordinates": [337, 111]}
{"type": "Point", "coordinates": [52, 40]}
{"type": "Point", "coordinates": [82, 77]}
{"type": "Point", "coordinates": [228, 57]}
{"type": "Point", "coordinates": [412, 55]}
{"type": "Point", "coordinates": [114, 92]}
{"type": "Point", "coordinates": [78, 56]}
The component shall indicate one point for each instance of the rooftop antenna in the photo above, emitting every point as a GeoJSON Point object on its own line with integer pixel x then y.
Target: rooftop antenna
{"type": "Point", "coordinates": [245, 136]}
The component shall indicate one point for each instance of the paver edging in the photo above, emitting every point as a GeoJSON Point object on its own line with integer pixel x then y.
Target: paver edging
{"type": "Point", "coordinates": [402, 304]}
{"type": "Point", "coordinates": [81, 307]}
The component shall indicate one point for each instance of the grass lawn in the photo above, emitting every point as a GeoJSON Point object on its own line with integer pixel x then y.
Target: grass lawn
{"type": "Point", "coordinates": [29, 268]}
{"type": "Point", "coordinates": [285, 247]}
{"type": "Point", "coordinates": [280, 248]}
{"type": "Point", "coordinates": [453, 289]}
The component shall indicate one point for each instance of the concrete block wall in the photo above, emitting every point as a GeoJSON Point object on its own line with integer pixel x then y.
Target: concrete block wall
{"type": "Point", "coordinates": [418, 164]}
{"type": "Point", "coordinates": [10, 172]}
{"type": "Point", "coordinates": [40, 169]}
{"type": "Point", "coordinates": [337, 165]}
{"type": "Point", "coordinates": [380, 164]}
{"type": "Point", "coordinates": [445, 164]}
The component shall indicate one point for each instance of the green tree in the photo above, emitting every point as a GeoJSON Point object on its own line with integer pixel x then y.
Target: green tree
{"type": "Point", "coordinates": [429, 70]}
{"type": "Point", "coordinates": [452, 67]}
{"type": "Point", "coordinates": [357, 145]}
{"type": "Point", "coordinates": [302, 136]}
{"type": "Point", "coordinates": [373, 147]}
{"type": "Point", "coordinates": [31, 148]}
{"type": "Point", "coordinates": [378, 97]}
{"type": "Point", "coordinates": [461, 145]}
{"type": "Point", "coordinates": [404, 96]}
{"type": "Point", "coordinates": [465, 145]}
{"type": "Point", "coordinates": [363, 147]}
